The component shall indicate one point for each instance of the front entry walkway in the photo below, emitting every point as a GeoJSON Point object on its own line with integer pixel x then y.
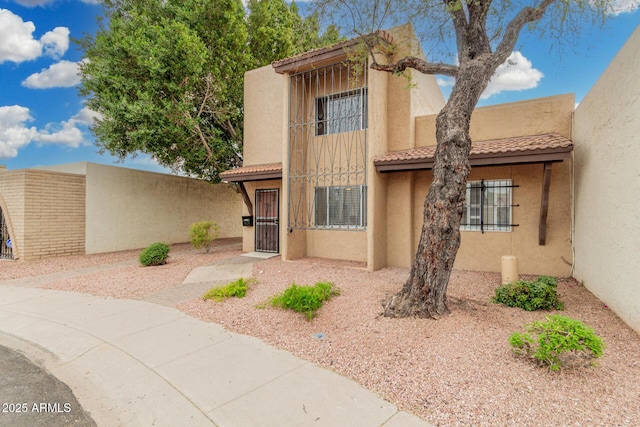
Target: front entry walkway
{"type": "Point", "coordinates": [132, 362]}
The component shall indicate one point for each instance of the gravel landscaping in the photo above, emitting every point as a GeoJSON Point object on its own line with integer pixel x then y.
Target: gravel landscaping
{"type": "Point", "coordinates": [455, 371]}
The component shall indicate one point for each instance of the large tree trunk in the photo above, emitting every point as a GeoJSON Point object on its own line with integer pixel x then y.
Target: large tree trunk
{"type": "Point", "coordinates": [424, 293]}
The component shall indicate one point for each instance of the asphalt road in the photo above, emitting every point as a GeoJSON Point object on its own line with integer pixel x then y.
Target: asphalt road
{"type": "Point", "coordinates": [29, 396]}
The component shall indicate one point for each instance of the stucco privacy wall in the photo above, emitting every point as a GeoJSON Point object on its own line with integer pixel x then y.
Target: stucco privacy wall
{"type": "Point", "coordinates": [45, 211]}
{"type": "Point", "coordinates": [483, 251]}
{"type": "Point", "coordinates": [130, 209]}
{"type": "Point", "coordinates": [607, 149]}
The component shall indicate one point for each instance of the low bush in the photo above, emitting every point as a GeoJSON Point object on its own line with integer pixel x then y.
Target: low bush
{"type": "Point", "coordinates": [236, 289]}
{"type": "Point", "coordinates": [155, 254]}
{"type": "Point", "coordinates": [203, 233]}
{"type": "Point", "coordinates": [537, 295]}
{"type": "Point", "coordinates": [305, 299]}
{"type": "Point", "coordinates": [557, 341]}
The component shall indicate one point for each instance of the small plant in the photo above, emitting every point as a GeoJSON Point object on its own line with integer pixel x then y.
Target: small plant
{"type": "Point", "coordinates": [236, 289]}
{"type": "Point", "coordinates": [558, 340]}
{"type": "Point", "coordinates": [202, 234]}
{"type": "Point", "coordinates": [305, 299]}
{"type": "Point", "coordinates": [155, 254]}
{"type": "Point", "coordinates": [537, 295]}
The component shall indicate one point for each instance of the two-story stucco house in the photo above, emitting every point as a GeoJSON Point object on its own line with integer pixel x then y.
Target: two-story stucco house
{"type": "Point", "coordinates": [338, 158]}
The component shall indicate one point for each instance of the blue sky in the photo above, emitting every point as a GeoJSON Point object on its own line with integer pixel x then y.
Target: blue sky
{"type": "Point", "coordinates": [44, 122]}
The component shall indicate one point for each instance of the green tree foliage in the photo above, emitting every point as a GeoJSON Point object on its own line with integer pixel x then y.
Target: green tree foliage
{"type": "Point", "coordinates": [167, 76]}
{"type": "Point", "coordinates": [276, 31]}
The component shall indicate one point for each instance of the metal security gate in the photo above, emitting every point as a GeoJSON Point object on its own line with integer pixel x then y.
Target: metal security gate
{"type": "Point", "coordinates": [267, 220]}
{"type": "Point", "coordinates": [6, 250]}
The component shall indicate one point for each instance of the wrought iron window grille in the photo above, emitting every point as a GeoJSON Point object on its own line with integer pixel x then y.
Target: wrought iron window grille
{"type": "Point", "coordinates": [327, 146]}
{"type": "Point", "coordinates": [488, 206]}
{"type": "Point", "coordinates": [340, 207]}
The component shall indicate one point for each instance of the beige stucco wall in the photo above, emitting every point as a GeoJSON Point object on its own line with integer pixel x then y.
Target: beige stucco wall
{"type": "Point", "coordinates": [337, 244]}
{"type": "Point", "coordinates": [264, 108]}
{"type": "Point", "coordinates": [45, 211]}
{"type": "Point", "coordinates": [539, 116]}
{"type": "Point", "coordinates": [129, 209]}
{"type": "Point", "coordinates": [412, 95]}
{"type": "Point", "coordinates": [483, 251]}
{"type": "Point", "coordinates": [607, 149]}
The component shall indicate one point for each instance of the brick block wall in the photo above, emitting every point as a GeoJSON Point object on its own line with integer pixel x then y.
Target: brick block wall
{"type": "Point", "coordinates": [54, 214]}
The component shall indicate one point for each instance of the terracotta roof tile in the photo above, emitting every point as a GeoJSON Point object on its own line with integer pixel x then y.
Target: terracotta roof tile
{"type": "Point", "coordinates": [283, 65]}
{"type": "Point", "coordinates": [254, 172]}
{"type": "Point", "coordinates": [495, 147]}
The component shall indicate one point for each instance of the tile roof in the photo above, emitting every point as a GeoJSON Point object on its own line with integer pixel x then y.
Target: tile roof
{"type": "Point", "coordinates": [339, 48]}
{"type": "Point", "coordinates": [532, 145]}
{"type": "Point", "coordinates": [253, 173]}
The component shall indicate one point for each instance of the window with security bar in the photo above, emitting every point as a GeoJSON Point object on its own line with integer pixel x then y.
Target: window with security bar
{"type": "Point", "coordinates": [327, 147]}
{"type": "Point", "coordinates": [488, 206]}
{"type": "Point", "coordinates": [341, 112]}
{"type": "Point", "coordinates": [340, 207]}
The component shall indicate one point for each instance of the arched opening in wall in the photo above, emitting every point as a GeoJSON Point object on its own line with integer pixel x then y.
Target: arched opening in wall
{"type": "Point", "coordinates": [6, 245]}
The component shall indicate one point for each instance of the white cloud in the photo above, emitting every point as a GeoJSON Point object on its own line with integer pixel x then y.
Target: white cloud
{"type": "Point", "coordinates": [16, 39]}
{"type": "Point", "coordinates": [622, 6]}
{"type": "Point", "coordinates": [33, 3]}
{"type": "Point", "coordinates": [445, 81]}
{"type": "Point", "coordinates": [15, 133]}
{"type": "Point", "coordinates": [18, 45]}
{"type": "Point", "coordinates": [86, 116]}
{"type": "Point", "coordinates": [61, 74]}
{"type": "Point", "coordinates": [55, 43]}
{"type": "Point", "coordinates": [65, 133]}
{"type": "Point", "coordinates": [515, 74]}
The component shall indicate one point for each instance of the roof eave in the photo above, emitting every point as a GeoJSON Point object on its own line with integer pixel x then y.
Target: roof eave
{"type": "Point", "coordinates": [334, 53]}
{"type": "Point", "coordinates": [252, 176]}
{"type": "Point", "coordinates": [478, 160]}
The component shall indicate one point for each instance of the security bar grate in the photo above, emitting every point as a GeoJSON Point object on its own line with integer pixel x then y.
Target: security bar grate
{"type": "Point", "coordinates": [6, 246]}
{"type": "Point", "coordinates": [488, 206]}
{"type": "Point", "coordinates": [327, 150]}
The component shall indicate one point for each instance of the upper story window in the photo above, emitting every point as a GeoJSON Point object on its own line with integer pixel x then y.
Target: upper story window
{"type": "Point", "coordinates": [487, 206]}
{"type": "Point", "coordinates": [341, 112]}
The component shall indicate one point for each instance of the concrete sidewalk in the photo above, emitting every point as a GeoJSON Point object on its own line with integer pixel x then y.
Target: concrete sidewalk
{"type": "Point", "coordinates": [135, 363]}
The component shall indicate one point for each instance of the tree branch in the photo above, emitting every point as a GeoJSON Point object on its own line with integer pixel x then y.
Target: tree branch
{"type": "Point", "coordinates": [525, 16]}
{"type": "Point", "coordinates": [459, 19]}
{"type": "Point", "coordinates": [200, 136]}
{"type": "Point", "coordinates": [417, 64]}
{"type": "Point", "coordinates": [478, 10]}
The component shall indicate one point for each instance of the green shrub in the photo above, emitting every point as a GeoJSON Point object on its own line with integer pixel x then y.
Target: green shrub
{"type": "Point", "coordinates": [305, 299]}
{"type": "Point", "coordinates": [558, 340]}
{"type": "Point", "coordinates": [537, 295]}
{"type": "Point", "coordinates": [203, 233]}
{"type": "Point", "coordinates": [236, 289]}
{"type": "Point", "coordinates": [155, 254]}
